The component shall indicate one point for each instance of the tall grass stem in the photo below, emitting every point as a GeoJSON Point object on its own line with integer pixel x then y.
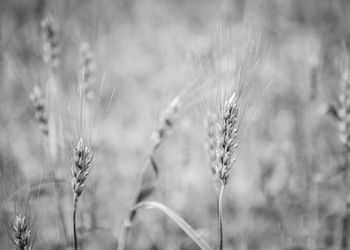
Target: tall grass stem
{"type": "Point", "coordinates": [74, 222]}
{"type": "Point", "coordinates": [220, 216]}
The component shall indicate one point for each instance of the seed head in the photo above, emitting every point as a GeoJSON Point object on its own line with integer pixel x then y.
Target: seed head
{"type": "Point", "coordinates": [82, 158]}
{"type": "Point", "coordinates": [166, 122]}
{"type": "Point", "coordinates": [49, 33]}
{"type": "Point", "coordinates": [223, 139]}
{"type": "Point", "coordinates": [37, 99]}
{"type": "Point", "coordinates": [87, 63]}
{"type": "Point", "coordinates": [20, 233]}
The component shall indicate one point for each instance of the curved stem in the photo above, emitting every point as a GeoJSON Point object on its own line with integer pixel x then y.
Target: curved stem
{"type": "Point", "coordinates": [178, 220]}
{"type": "Point", "coordinates": [74, 222]}
{"type": "Point", "coordinates": [123, 236]}
{"type": "Point", "coordinates": [220, 216]}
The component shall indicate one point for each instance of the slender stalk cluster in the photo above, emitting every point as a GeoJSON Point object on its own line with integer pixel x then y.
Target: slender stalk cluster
{"type": "Point", "coordinates": [166, 122]}
{"type": "Point", "coordinates": [82, 158]}
{"type": "Point", "coordinates": [37, 99]}
{"type": "Point", "coordinates": [51, 49]}
{"type": "Point", "coordinates": [223, 139]}
{"type": "Point", "coordinates": [20, 233]}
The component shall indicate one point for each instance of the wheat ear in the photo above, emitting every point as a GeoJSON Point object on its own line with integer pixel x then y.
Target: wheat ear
{"type": "Point", "coordinates": [37, 100]}
{"type": "Point", "coordinates": [222, 136]}
{"type": "Point", "coordinates": [49, 33]}
{"type": "Point", "coordinates": [20, 233]}
{"type": "Point", "coordinates": [82, 162]}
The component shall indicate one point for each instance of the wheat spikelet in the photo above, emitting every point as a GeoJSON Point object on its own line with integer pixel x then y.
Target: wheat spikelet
{"type": "Point", "coordinates": [228, 138]}
{"type": "Point", "coordinates": [20, 233]}
{"type": "Point", "coordinates": [166, 122]}
{"type": "Point", "coordinates": [49, 32]}
{"type": "Point", "coordinates": [82, 159]}
{"type": "Point", "coordinates": [223, 139]}
{"type": "Point", "coordinates": [37, 100]}
{"type": "Point", "coordinates": [222, 136]}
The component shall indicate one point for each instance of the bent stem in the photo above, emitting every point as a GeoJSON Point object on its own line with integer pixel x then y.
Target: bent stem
{"type": "Point", "coordinates": [178, 220]}
{"type": "Point", "coordinates": [220, 216]}
{"type": "Point", "coordinates": [142, 193]}
{"type": "Point", "coordinates": [74, 222]}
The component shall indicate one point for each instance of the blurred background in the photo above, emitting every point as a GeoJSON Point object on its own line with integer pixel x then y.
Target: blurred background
{"type": "Point", "coordinates": [285, 191]}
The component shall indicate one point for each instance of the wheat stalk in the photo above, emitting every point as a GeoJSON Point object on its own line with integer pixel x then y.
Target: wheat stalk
{"type": "Point", "coordinates": [166, 122]}
{"type": "Point", "coordinates": [222, 136]}
{"type": "Point", "coordinates": [82, 162]}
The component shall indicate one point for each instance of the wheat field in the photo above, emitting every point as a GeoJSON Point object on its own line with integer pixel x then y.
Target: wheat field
{"type": "Point", "coordinates": [175, 125]}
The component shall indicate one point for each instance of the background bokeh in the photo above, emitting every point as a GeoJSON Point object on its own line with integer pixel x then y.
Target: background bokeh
{"type": "Point", "coordinates": [285, 191]}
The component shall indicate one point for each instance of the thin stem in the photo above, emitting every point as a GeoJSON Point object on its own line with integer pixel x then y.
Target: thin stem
{"type": "Point", "coordinates": [346, 218]}
{"type": "Point", "coordinates": [220, 216]}
{"type": "Point", "coordinates": [75, 206]}
{"type": "Point", "coordinates": [59, 205]}
{"type": "Point", "coordinates": [123, 236]}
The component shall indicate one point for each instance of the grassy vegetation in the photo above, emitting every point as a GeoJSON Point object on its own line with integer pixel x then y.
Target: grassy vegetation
{"type": "Point", "coordinates": [174, 125]}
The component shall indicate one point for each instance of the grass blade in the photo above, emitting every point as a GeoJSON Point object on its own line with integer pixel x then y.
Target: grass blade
{"type": "Point", "coordinates": [201, 243]}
